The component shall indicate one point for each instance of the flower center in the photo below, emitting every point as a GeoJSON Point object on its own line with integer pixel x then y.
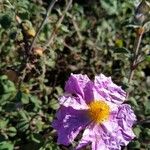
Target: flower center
{"type": "Point", "coordinates": [98, 111]}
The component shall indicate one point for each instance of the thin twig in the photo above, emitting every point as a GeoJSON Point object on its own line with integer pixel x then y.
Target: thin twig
{"type": "Point", "coordinates": [43, 68]}
{"type": "Point", "coordinates": [145, 121]}
{"type": "Point", "coordinates": [93, 45]}
{"type": "Point", "coordinates": [136, 53]}
{"type": "Point", "coordinates": [75, 26]}
{"type": "Point", "coordinates": [27, 47]}
{"type": "Point", "coordinates": [69, 47]}
{"type": "Point", "coordinates": [77, 29]}
{"type": "Point", "coordinates": [58, 24]}
{"type": "Point", "coordinates": [43, 23]}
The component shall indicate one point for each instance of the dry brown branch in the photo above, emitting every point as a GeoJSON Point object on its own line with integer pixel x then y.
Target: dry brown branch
{"type": "Point", "coordinates": [136, 47]}
{"type": "Point", "coordinates": [58, 24]}
{"type": "Point", "coordinates": [43, 23]}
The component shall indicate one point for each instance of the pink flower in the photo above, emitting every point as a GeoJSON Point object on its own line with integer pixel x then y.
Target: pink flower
{"type": "Point", "coordinates": [96, 108]}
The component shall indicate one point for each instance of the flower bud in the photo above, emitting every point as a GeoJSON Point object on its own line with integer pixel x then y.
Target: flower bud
{"type": "Point", "coordinates": [28, 28]}
{"type": "Point", "coordinates": [142, 12]}
{"type": "Point", "coordinates": [38, 51]}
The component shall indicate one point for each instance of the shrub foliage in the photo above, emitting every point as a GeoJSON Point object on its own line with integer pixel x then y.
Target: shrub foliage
{"type": "Point", "coordinates": [94, 37]}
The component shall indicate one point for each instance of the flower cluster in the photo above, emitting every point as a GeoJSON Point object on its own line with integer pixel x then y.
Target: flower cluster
{"type": "Point", "coordinates": [96, 108]}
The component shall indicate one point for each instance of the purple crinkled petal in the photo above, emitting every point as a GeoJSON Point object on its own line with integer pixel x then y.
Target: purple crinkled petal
{"type": "Point", "coordinates": [91, 93]}
{"type": "Point", "coordinates": [111, 134]}
{"type": "Point", "coordinates": [75, 102]}
{"type": "Point", "coordinates": [72, 116]}
{"type": "Point", "coordinates": [124, 137]}
{"type": "Point", "coordinates": [109, 90]}
{"type": "Point", "coordinates": [99, 145]}
{"type": "Point", "coordinates": [125, 118]}
{"type": "Point", "coordinates": [100, 138]}
{"type": "Point", "coordinates": [109, 137]}
{"type": "Point", "coordinates": [76, 83]}
{"type": "Point", "coordinates": [69, 123]}
{"type": "Point", "coordinates": [119, 126]}
{"type": "Point", "coordinates": [85, 140]}
{"type": "Point", "coordinates": [126, 114]}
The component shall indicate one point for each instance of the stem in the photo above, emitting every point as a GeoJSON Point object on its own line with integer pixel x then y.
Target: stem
{"type": "Point", "coordinates": [77, 29]}
{"type": "Point", "coordinates": [43, 23]}
{"type": "Point", "coordinates": [58, 24]}
{"type": "Point", "coordinates": [27, 47]}
{"type": "Point", "coordinates": [145, 121]}
{"type": "Point", "coordinates": [136, 53]}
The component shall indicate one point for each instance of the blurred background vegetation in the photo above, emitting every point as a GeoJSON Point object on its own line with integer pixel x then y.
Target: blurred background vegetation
{"type": "Point", "coordinates": [95, 36]}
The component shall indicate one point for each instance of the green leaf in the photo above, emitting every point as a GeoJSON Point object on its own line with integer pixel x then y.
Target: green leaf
{"type": "Point", "coordinates": [11, 131]}
{"type": "Point", "coordinates": [5, 21]}
{"type": "Point", "coordinates": [54, 104]}
{"type": "Point", "coordinates": [3, 124]}
{"type": "Point", "coordinates": [4, 98]}
{"type": "Point", "coordinates": [147, 58]}
{"type": "Point", "coordinates": [59, 90]}
{"type": "Point", "coordinates": [25, 98]}
{"type": "Point", "coordinates": [133, 102]}
{"type": "Point", "coordinates": [147, 107]}
{"type": "Point", "coordinates": [121, 50]}
{"type": "Point", "coordinates": [147, 26]}
{"type": "Point", "coordinates": [6, 145]}
{"type": "Point", "coordinates": [24, 115]}
{"type": "Point", "coordinates": [110, 6]}
{"type": "Point", "coordinates": [64, 28]}
{"type": "Point", "coordinates": [146, 134]}
{"type": "Point", "coordinates": [35, 138]}
{"type": "Point", "coordinates": [7, 90]}
{"type": "Point", "coordinates": [23, 125]}
{"type": "Point", "coordinates": [137, 130]}
{"type": "Point", "coordinates": [135, 145]}
{"type": "Point", "coordinates": [35, 101]}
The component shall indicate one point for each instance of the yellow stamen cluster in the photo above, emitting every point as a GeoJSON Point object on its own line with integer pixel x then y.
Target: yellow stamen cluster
{"type": "Point", "coordinates": [98, 111]}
